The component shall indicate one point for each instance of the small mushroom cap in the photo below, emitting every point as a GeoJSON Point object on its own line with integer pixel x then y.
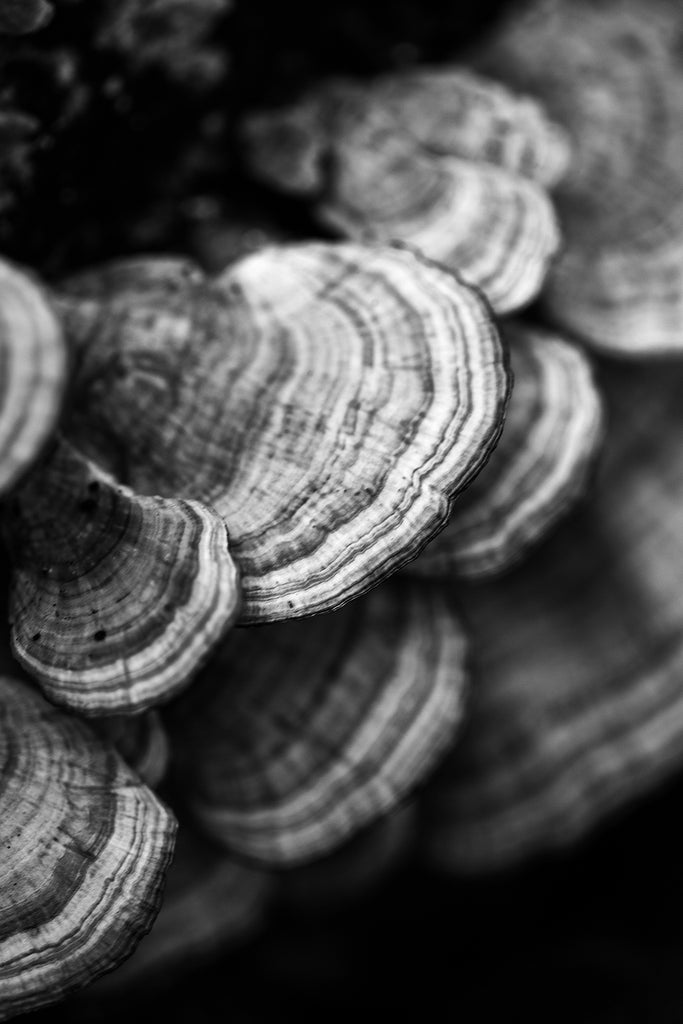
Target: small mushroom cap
{"type": "Point", "coordinates": [116, 598]}
{"type": "Point", "coordinates": [20, 16]}
{"type": "Point", "coordinates": [453, 112]}
{"type": "Point", "coordinates": [577, 707]}
{"type": "Point", "coordinates": [540, 468]}
{"type": "Point", "coordinates": [32, 373]}
{"type": "Point", "coordinates": [609, 73]}
{"type": "Point", "coordinates": [142, 742]}
{"type": "Point", "coordinates": [375, 176]}
{"type": "Point", "coordinates": [211, 904]}
{"type": "Point", "coordinates": [328, 400]}
{"type": "Point", "coordinates": [301, 734]}
{"type": "Point", "coordinates": [85, 847]}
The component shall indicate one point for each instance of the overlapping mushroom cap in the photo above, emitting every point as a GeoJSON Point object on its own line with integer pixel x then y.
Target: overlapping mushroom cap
{"type": "Point", "coordinates": [116, 598]}
{"type": "Point", "coordinates": [577, 706]}
{"type": "Point", "coordinates": [85, 847]}
{"type": "Point", "coordinates": [552, 432]}
{"type": "Point", "coordinates": [329, 401]}
{"type": "Point", "coordinates": [611, 75]}
{"type": "Point", "coordinates": [19, 16]}
{"type": "Point", "coordinates": [33, 367]}
{"type": "Point", "coordinates": [442, 160]}
{"type": "Point", "coordinates": [303, 732]}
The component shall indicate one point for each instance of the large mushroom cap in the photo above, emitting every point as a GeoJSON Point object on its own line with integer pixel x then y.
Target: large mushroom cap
{"type": "Point", "coordinates": [609, 73]}
{"type": "Point", "coordinates": [116, 599]}
{"type": "Point", "coordinates": [393, 159]}
{"type": "Point", "coordinates": [302, 733]}
{"type": "Point", "coordinates": [539, 469]}
{"type": "Point", "coordinates": [85, 847]}
{"type": "Point", "coordinates": [32, 373]}
{"type": "Point", "coordinates": [577, 705]}
{"type": "Point", "coordinates": [329, 402]}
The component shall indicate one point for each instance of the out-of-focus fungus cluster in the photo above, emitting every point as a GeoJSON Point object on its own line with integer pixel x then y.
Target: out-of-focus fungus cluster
{"type": "Point", "coordinates": [366, 435]}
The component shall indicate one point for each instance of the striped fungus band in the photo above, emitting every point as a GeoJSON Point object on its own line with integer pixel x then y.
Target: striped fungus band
{"type": "Point", "coordinates": [329, 401]}
{"type": "Point", "coordinates": [441, 160]}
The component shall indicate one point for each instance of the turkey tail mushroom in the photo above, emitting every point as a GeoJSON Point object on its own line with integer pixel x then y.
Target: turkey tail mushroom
{"type": "Point", "coordinates": [116, 598]}
{"type": "Point", "coordinates": [328, 400]}
{"type": "Point", "coordinates": [33, 371]}
{"type": "Point", "coordinates": [85, 848]}
{"type": "Point", "coordinates": [302, 733]}
{"type": "Point", "coordinates": [440, 160]}
{"type": "Point", "coordinates": [610, 74]}
{"type": "Point", "coordinates": [540, 468]}
{"type": "Point", "coordinates": [577, 707]}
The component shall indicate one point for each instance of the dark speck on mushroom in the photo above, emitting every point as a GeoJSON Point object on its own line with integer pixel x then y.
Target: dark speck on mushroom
{"type": "Point", "coordinates": [101, 635]}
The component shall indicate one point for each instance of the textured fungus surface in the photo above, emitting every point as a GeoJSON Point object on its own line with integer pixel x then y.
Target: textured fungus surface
{"type": "Point", "coordinates": [302, 733]}
{"type": "Point", "coordinates": [329, 402]}
{"type": "Point", "coordinates": [539, 469]}
{"type": "Point", "coordinates": [116, 598]}
{"type": "Point", "coordinates": [577, 704]}
{"type": "Point", "coordinates": [393, 160]}
{"type": "Point", "coordinates": [611, 75]}
{"type": "Point", "coordinates": [85, 847]}
{"type": "Point", "coordinates": [19, 16]}
{"type": "Point", "coordinates": [32, 373]}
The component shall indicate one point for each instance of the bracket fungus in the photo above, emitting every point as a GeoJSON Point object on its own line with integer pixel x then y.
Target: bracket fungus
{"type": "Point", "coordinates": [142, 742]}
{"type": "Point", "coordinates": [301, 733]}
{"type": "Point", "coordinates": [85, 847]}
{"type": "Point", "coordinates": [33, 369]}
{"type": "Point", "coordinates": [576, 707]}
{"type": "Point", "coordinates": [329, 401]}
{"type": "Point", "coordinates": [116, 598]}
{"type": "Point", "coordinates": [611, 75]}
{"type": "Point", "coordinates": [553, 429]}
{"type": "Point", "coordinates": [367, 155]}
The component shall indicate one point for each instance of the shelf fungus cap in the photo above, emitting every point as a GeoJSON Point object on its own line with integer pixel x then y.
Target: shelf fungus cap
{"type": "Point", "coordinates": [373, 175]}
{"type": "Point", "coordinates": [611, 75]}
{"type": "Point", "coordinates": [211, 904]}
{"type": "Point", "coordinates": [302, 733]}
{"type": "Point", "coordinates": [116, 599]}
{"type": "Point", "coordinates": [141, 740]}
{"type": "Point", "coordinates": [20, 16]}
{"type": "Point", "coordinates": [85, 848]}
{"type": "Point", "coordinates": [328, 400]}
{"type": "Point", "coordinates": [576, 707]}
{"type": "Point", "coordinates": [33, 370]}
{"type": "Point", "coordinates": [540, 468]}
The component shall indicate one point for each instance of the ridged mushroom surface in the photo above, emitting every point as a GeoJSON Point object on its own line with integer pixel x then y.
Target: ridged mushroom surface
{"type": "Point", "coordinates": [116, 599]}
{"type": "Point", "coordinates": [577, 704]}
{"type": "Point", "coordinates": [302, 733]}
{"type": "Point", "coordinates": [33, 368]}
{"type": "Point", "coordinates": [610, 74]}
{"type": "Point", "coordinates": [391, 160]}
{"type": "Point", "coordinates": [540, 468]}
{"type": "Point", "coordinates": [328, 400]}
{"type": "Point", "coordinates": [85, 848]}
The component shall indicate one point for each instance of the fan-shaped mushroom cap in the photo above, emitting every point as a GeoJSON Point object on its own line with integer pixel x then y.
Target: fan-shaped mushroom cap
{"type": "Point", "coordinates": [352, 870]}
{"type": "Point", "coordinates": [329, 401]}
{"type": "Point", "coordinates": [19, 16]}
{"type": "Point", "coordinates": [455, 113]}
{"type": "Point", "coordinates": [302, 733]}
{"type": "Point", "coordinates": [609, 73]}
{"type": "Point", "coordinates": [211, 903]}
{"type": "Point", "coordinates": [577, 704]}
{"type": "Point", "coordinates": [116, 598]}
{"type": "Point", "coordinates": [142, 742]}
{"type": "Point", "coordinates": [85, 847]}
{"type": "Point", "coordinates": [366, 157]}
{"type": "Point", "coordinates": [539, 469]}
{"type": "Point", "coordinates": [32, 373]}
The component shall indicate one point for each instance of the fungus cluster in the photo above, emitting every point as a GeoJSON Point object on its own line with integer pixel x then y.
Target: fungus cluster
{"type": "Point", "coordinates": [332, 552]}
